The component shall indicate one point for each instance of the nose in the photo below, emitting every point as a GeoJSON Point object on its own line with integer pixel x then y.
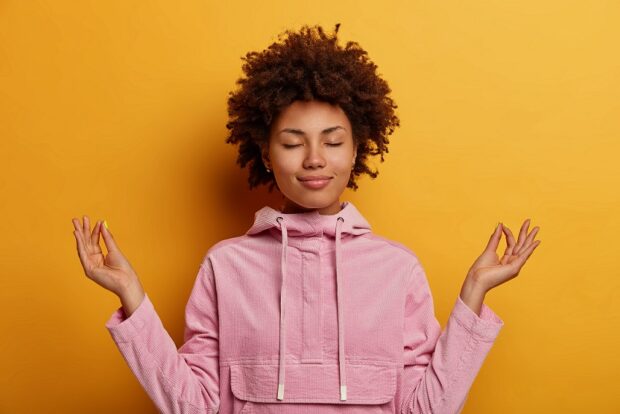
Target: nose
{"type": "Point", "coordinates": [314, 158]}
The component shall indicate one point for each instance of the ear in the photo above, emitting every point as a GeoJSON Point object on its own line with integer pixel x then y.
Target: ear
{"type": "Point", "coordinates": [264, 150]}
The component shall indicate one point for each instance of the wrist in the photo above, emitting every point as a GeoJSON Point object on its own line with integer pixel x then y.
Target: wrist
{"type": "Point", "coordinates": [472, 294]}
{"type": "Point", "coordinates": [129, 286]}
{"type": "Point", "coordinates": [131, 297]}
{"type": "Point", "coordinates": [473, 284]}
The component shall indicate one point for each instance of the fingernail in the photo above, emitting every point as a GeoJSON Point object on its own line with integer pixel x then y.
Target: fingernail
{"type": "Point", "coordinates": [105, 223]}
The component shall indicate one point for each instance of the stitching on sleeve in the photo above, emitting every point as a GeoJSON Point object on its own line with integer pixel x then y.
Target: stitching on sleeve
{"type": "Point", "coordinates": [473, 332]}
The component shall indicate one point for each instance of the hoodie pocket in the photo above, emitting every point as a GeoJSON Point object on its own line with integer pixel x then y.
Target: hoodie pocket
{"type": "Point", "coordinates": [314, 388]}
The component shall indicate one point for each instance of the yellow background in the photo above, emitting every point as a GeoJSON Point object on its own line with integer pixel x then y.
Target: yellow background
{"type": "Point", "coordinates": [117, 110]}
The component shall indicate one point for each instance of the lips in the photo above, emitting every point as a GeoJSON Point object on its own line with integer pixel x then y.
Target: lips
{"type": "Point", "coordinates": [314, 182]}
{"type": "Point", "coordinates": [314, 178]}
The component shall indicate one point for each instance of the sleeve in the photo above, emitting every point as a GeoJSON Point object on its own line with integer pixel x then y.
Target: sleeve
{"type": "Point", "coordinates": [440, 366]}
{"type": "Point", "coordinates": [177, 381]}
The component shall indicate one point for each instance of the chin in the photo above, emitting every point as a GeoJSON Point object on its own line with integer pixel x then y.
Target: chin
{"type": "Point", "coordinates": [312, 201]}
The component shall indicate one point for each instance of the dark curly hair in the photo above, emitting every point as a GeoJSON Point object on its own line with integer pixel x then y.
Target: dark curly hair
{"type": "Point", "coordinates": [309, 65]}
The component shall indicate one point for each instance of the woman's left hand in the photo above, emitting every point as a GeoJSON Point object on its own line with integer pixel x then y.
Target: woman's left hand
{"type": "Point", "coordinates": [489, 271]}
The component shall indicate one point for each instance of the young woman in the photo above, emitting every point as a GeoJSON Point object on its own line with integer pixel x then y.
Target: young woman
{"type": "Point", "coordinates": [308, 311]}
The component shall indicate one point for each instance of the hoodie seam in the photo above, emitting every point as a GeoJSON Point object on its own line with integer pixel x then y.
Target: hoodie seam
{"type": "Point", "coordinates": [351, 360]}
{"type": "Point", "coordinates": [303, 305]}
{"type": "Point", "coordinates": [473, 332]}
{"type": "Point", "coordinates": [463, 363]}
{"type": "Point", "coordinates": [320, 277]}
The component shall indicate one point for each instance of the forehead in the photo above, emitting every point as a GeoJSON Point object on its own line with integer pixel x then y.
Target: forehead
{"type": "Point", "coordinates": [312, 114]}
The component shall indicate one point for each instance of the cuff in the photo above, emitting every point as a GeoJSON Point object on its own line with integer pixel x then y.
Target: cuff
{"type": "Point", "coordinates": [485, 327]}
{"type": "Point", "coordinates": [123, 329]}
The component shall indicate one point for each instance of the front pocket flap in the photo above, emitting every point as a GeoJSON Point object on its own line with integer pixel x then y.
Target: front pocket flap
{"type": "Point", "coordinates": [314, 383]}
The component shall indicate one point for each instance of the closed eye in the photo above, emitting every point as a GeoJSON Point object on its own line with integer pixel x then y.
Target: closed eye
{"type": "Point", "coordinates": [296, 145]}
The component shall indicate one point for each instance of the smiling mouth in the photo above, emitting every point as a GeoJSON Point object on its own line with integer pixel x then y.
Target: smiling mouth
{"type": "Point", "coordinates": [315, 184]}
{"type": "Point", "coordinates": [314, 178]}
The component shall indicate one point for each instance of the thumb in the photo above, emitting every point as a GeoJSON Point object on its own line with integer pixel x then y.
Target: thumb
{"type": "Point", "coordinates": [108, 238]}
{"type": "Point", "coordinates": [494, 239]}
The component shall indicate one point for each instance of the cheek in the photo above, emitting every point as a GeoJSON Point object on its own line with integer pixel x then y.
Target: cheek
{"type": "Point", "coordinates": [342, 163]}
{"type": "Point", "coordinates": [286, 164]}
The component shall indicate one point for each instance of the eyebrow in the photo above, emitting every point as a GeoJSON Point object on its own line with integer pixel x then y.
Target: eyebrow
{"type": "Point", "coordinates": [300, 132]}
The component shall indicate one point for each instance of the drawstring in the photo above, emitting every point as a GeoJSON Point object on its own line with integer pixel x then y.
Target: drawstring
{"type": "Point", "coordinates": [343, 382]}
{"type": "Point", "coordinates": [341, 360]}
{"type": "Point", "coordinates": [282, 297]}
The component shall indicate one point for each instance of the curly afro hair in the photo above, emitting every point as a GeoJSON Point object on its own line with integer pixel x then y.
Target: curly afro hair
{"type": "Point", "coordinates": [309, 65]}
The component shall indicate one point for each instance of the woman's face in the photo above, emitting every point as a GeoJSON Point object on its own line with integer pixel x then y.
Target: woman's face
{"type": "Point", "coordinates": [311, 139]}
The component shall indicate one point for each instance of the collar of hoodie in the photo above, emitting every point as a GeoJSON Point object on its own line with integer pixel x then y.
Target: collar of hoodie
{"type": "Point", "coordinates": [307, 224]}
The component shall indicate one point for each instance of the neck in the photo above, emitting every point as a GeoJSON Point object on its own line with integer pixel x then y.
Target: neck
{"type": "Point", "coordinates": [288, 207]}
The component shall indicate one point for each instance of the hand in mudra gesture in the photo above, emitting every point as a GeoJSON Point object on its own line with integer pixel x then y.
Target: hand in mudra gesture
{"type": "Point", "coordinates": [113, 272]}
{"type": "Point", "coordinates": [489, 270]}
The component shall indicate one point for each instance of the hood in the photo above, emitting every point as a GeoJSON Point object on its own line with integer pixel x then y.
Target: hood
{"type": "Point", "coordinates": [347, 220]}
{"type": "Point", "coordinates": [311, 223]}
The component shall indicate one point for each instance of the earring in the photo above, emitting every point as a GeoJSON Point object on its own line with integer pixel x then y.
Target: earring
{"type": "Point", "coordinates": [268, 170]}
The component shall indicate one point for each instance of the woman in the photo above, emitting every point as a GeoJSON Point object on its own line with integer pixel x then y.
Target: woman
{"type": "Point", "coordinates": [308, 311]}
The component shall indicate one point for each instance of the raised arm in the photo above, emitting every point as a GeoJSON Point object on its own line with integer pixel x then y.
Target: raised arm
{"type": "Point", "coordinates": [177, 381]}
{"type": "Point", "coordinates": [440, 366]}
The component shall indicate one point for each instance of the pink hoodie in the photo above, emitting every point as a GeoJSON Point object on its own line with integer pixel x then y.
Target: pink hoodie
{"type": "Point", "coordinates": [308, 313]}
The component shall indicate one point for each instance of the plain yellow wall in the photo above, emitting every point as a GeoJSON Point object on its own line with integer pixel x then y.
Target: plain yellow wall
{"type": "Point", "coordinates": [117, 109]}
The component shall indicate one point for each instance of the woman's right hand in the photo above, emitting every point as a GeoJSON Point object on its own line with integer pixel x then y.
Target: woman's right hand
{"type": "Point", "coordinates": [113, 272]}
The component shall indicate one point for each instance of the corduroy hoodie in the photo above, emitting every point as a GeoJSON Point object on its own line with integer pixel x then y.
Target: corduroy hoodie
{"type": "Point", "coordinates": [308, 313]}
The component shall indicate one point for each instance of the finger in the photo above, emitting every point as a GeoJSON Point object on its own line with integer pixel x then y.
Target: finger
{"type": "Point", "coordinates": [94, 237]}
{"type": "Point", "coordinates": [86, 233]}
{"type": "Point", "coordinates": [86, 226]}
{"type": "Point", "coordinates": [530, 237]}
{"type": "Point", "coordinates": [495, 238]}
{"type": "Point", "coordinates": [510, 244]}
{"type": "Point", "coordinates": [79, 228]}
{"type": "Point", "coordinates": [524, 255]}
{"type": "Point", "coordinates": [83, 255]}
{"type": "Point", "coordinates": [109, 240]}
{"type": "Point", "coordinates": [522, 235]}
{"type": "Point", "coordinates": [76, 224]}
